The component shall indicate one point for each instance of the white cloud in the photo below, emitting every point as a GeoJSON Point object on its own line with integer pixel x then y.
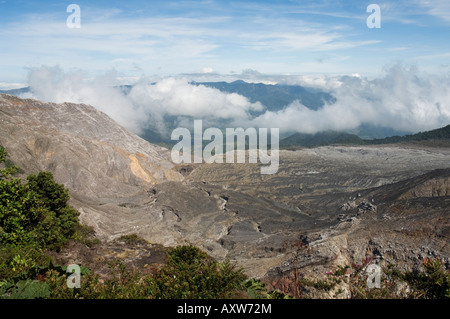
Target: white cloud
{"type": "Point", "coordinates": [403, 99]}
{"type": "Point", "coordinates": [177, 97]}
{"type": "Point", "coordinates": [216, 38]}
{"type": "Point", "coordinates": [437, 8]}
{"type": "Point", "coordinates": [10, 86]}
{"type": "Point", "coordinates": [207, 70]}
{"type": "Point", "coordinates": [146, 104]}
{"type": "Point", "coordinates": [52, 84]}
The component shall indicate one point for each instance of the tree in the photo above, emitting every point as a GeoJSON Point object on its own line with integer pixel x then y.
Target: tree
{"type": "Point", "coordinates": [34, 213]}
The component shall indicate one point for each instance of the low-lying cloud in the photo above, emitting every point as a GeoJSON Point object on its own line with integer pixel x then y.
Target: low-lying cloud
{"type": "Point", "coordinates": [178, 97]}
{"type": "Point", "coordinates": [403, 99]}
{"type": "Point", "coordinates": [146, 103]}
{"type": "Point", "coordinates": [52, 84]}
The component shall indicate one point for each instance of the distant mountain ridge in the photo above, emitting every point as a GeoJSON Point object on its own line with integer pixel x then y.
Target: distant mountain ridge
{"type": "Point", "coordinates": [274, 96]}
{"type": "Point", "coordinates": [320, 139]}
{"type": "Point", "coordinates": [436, 134]}
{"type": "Point", "coordinates": [17, 92]}
{"type": "Point", "coordinates": [343, 138]}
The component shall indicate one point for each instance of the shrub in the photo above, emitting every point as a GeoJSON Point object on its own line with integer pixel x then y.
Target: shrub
{"type": "Point", "coordinates": [25, 289]}
{"type": "Point", "coordinates": [86, 235]}
{"type": "Point", "coordinates": [59, 221]}
{"type": "Point", "coordinates": [191, 273]}
{"type": "Point", "coordinates": [34, 216]}
{"type": "Point", "coordinates": [34, 213]}
{"type": "Point", "coordinates": [255, 289]}
{"type": "Point", "coordinates": [133, 239]}
{"type": "Point", "coordinates": [433, 283]}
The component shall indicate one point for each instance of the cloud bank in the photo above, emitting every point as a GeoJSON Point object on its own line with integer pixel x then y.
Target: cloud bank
{"type": "Point", "coordinates": [146, 104]}
{"type": "Point", "coordinates": [403, 98]}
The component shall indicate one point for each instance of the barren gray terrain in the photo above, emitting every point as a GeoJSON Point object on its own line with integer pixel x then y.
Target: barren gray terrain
{"type": "Point", "coordinates": [343, 203]}
{"type": "Point", "coordinates": [335, 197]}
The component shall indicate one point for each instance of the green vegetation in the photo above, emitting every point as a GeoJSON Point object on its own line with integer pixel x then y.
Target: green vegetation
{"type": "Point", "coordinates": [255, 289]}
{"type": "Point", "coordinates": [25, 289]}
{"type": "Point", "coordinates": [189, 273]}
{"type": "Point", "coordinates": [132, 239]}
{"type": "Point", "coordinates": [34, 217]}
{"type": "Point", "coordinates": [437, 134]}
{"type": "Point", "coordinates": [34, 214]}
{"type": "Point", "coordinates": [434, 283]}
{"type": "Point", "coordinates": [431, 283]}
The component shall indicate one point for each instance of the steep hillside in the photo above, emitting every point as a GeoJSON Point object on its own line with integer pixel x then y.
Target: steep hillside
{"type": "Point", "coordinates": [101, 163]}
{"type": "Point", "coordinates": [400, 224]}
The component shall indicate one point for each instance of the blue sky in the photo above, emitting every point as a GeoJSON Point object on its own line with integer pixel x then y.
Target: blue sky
{"type": "Point", "coordinates": [136, 38]}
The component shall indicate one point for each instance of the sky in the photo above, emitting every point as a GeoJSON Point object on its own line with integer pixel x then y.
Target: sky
{"type": "Point", "coordinates": [136, 38]}
{"type": "Point", "coordinates": [397, 75]}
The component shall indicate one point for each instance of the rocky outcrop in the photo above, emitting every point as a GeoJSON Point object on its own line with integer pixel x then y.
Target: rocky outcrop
{"type": "Point", "coordinates": [103, 165]}
{"type": "Point", "coordinates": [76, 142]}
{"type": "Point", "coordinates": [402, 230]}
{"type": "Point", "coordinates": [136, 255]}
